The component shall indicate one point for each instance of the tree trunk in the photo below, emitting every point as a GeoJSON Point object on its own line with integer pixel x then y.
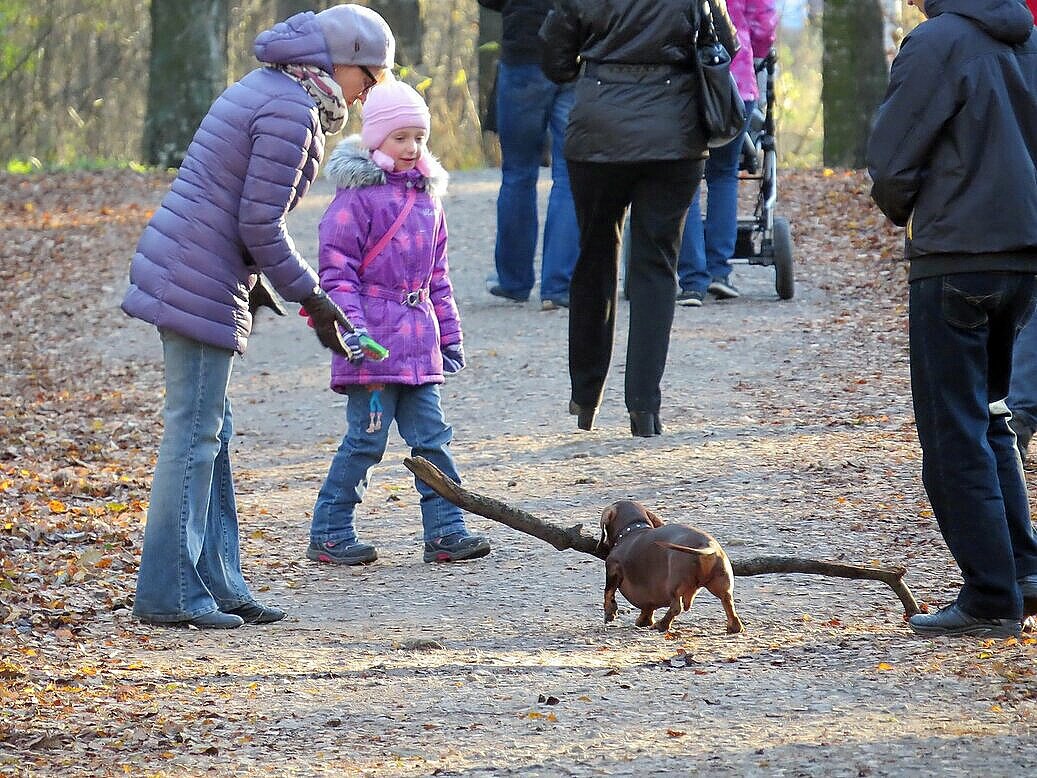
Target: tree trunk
{"type": "Point", "coordinates": [286, 8]}
{"type": "Point", "coordinates": [573, 538]}
{"type": "Point", "coordinates": [490, 32]}
{"type": "Point", "coordinates": [187, 70]}
{"type": "Point", "coordinates": [405, 21]}
{"type": "Point", "coordinates": [855, 76]}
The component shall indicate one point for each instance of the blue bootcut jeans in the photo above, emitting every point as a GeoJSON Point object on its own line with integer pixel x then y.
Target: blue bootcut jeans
{"type": "Point", "coordinates": [706, 248]}
{"type": "Point", "coordinates": [962, 330]}
{"type": "Point", "coordinates": [528, 105]}
{"type": "Point", "coordinates": [419, 419]}
{"type": "Point", "coordinates": [190, 563]}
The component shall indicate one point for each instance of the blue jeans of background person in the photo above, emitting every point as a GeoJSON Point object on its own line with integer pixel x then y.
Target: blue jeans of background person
{"type": "Point", "coordinates": [190, 563]}
{"type": "Point", "coordinates": [706, 248]}
{"type": "Point", "coordinates": [1022, 395]}
{"type": "Point", "coordinates": [528, 105]}
{"type": "Point", "coordinates": [962, 330]}
{"type": "Point", "coordinates": [419, 419]}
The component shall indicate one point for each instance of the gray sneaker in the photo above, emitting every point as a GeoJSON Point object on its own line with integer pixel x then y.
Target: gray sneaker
{"type": "Point", "coordinates": [1023, 434]}
{"type": "Point", "coordinates": [723, 289]}
{"type": "Point", "coordinates": [1028, 588]}
{"type": "Point", "coordinates": [340, 553]}
{"type": "Point", "coordinates": [456, 548]}
{"type": "Point", "coordinates": [952, 620]}
{"type": "Point", "coordinates": [690, 298]}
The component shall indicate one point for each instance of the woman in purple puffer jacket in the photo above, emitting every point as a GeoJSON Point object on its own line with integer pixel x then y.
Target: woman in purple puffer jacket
{"type": "Point", "coordinates": [383, 260]}
{"type": "Point", "coordinates": [194, 270]}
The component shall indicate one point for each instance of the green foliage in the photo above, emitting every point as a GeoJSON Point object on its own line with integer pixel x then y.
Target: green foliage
{"type": "Point", "coordinates": [32, 165]}
{"type": "Point", "coordinates": [798, 110]}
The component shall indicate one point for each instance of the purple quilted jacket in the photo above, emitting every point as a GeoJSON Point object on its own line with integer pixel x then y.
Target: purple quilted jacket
{"type": "Point", "coordinates": [756, 22]}
{"type": "Point", "coordinates": [403, 296]}
{"type": "Point", "coordinates": [251, 160]}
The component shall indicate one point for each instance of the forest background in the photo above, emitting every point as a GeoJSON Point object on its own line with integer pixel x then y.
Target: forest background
{"type": "Point", "coordinates": [91, 83]}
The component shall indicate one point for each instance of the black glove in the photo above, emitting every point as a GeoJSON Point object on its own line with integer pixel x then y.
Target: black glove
{"type": "Point", "coordinates": [262, 296]}
{"type": "Point", "coordinates": [327, 317]}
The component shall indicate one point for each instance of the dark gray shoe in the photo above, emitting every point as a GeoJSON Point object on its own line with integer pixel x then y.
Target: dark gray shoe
{"type": "Point", "coordinates": [254, 613]}
{"type": "Point", "coordinates": [690, 298]}
{"type": "Point", "coordinates": [952, 620]}
{"type": "Point", "coordinates": [1023, 434]}
{"type": "Point", "coordinates": [456, 548]}
{"type": "Point", "coordinates": [214, 620]}
{"type": "Point", "coordinates": [723, 289]}
{"type": "Point", "coordinates": [1028, 588]}
{"type": "Point", "coordinates": [339, 553]}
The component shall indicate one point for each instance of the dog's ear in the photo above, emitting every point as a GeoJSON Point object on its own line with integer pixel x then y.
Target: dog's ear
{"type": "Point", "coordinates": [654, 520]}
{"type": "Point", "coordinates": [607, 516]}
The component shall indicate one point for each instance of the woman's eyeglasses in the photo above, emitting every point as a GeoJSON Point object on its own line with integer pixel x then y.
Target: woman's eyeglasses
{"type": "Point", "coordinates": [371, 80]}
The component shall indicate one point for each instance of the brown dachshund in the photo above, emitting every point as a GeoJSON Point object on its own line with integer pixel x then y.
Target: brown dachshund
{"type": "Point", "coordinates": [655, 564]}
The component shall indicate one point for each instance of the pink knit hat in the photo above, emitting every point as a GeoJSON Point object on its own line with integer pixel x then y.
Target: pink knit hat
{"type": "Point", "coordinates": [392, 105]}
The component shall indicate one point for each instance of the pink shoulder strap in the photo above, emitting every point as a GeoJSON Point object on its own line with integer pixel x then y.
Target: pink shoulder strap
{"type": "Point", "coordinates": [377, 248]}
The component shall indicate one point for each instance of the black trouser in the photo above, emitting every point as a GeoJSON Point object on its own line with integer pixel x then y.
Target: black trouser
{"type": "Point", "coordinates": [658, 194]}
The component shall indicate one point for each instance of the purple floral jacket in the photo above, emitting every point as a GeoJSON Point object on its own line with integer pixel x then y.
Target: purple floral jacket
{"type": "Point", "coordinates": [402, 296]}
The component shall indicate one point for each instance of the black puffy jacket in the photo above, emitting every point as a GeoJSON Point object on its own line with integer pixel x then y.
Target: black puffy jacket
{"type": "Point", "coordinates": [953, 151]}
{"type": "Point", "coordinates": [636, 91]}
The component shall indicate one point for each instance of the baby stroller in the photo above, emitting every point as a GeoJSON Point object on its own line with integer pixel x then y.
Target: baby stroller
{"type": "Point", "coordinates": [764, 239]}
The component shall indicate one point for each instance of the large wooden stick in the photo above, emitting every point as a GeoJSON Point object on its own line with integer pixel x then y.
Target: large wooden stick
{"type": "Point", "coordinates": [573, 538]}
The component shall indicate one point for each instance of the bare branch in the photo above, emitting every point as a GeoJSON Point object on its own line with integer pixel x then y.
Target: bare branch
{"type": "Point", "coordinates": [573, 538]}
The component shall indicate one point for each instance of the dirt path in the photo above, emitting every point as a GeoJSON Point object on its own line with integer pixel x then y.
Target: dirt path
{"type": "Point", "coordinates": [787, 431]}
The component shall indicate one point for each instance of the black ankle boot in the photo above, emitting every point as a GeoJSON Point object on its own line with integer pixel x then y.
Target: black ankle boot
{"type": "Point", "coordinates": [644, 424]}
{"type": "Point", "coordinates": [584, 415]}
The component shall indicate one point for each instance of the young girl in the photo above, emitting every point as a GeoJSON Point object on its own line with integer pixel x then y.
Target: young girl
{"type": "Point", "coordinates": [383, 260]}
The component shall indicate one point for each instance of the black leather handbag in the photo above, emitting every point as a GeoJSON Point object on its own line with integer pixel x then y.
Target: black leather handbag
{"type": "Point", "coordinates": [721, 108]}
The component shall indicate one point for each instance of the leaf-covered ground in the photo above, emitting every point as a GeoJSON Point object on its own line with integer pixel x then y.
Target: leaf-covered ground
{"type": "Point", "coordinates": [788, 431]}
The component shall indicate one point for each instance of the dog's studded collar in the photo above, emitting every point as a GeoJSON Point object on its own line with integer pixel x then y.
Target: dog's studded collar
{"type": "Point", "coordinates": [628, 528]}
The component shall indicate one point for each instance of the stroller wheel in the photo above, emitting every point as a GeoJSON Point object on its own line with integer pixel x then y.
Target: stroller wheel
{"type": "Point", "coordinates": [784, 284]}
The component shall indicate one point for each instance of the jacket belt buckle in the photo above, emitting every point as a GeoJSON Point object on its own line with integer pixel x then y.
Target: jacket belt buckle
{"type": "Point", "coordinates": [415, 298]}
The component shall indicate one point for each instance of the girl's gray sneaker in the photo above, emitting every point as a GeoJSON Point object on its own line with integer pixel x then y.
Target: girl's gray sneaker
{"type": "Point", "coordinates": [337, 552]}
{"type": "Point", "coordinates": [456, 548]}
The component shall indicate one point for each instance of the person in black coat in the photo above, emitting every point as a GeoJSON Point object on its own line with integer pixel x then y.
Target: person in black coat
{"type": "Point", "coordinates": [953, 155]}
{"type": "Point", "coordinates": [633, 141]}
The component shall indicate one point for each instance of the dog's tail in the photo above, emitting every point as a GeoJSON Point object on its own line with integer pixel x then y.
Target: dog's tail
{"type": "Point", "coordinates": [710, 550]}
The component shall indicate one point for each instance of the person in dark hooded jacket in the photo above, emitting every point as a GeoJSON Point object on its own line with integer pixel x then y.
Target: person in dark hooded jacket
{"type": "Point", "coordinates": [633, 141]}
{"type": "Point", "coordinates": [953, 157]}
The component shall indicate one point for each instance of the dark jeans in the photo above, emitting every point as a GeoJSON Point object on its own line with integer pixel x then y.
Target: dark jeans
{"type": "Point", "coordinates": [962, 330]}
{"type": "Point", "coordinates": [658, 194]}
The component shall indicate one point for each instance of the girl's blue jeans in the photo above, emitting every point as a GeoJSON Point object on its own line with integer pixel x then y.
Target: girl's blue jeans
{"type": "Point", "coordinates": [190, 564]}
{"type": "Point", "coordinates": [419, 419]}
{"type": "Point", "coordinates": [707, 247]}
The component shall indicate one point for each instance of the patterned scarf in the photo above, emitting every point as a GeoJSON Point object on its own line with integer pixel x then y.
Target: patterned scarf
{"type": "Point", "coordinates": [326, 93]}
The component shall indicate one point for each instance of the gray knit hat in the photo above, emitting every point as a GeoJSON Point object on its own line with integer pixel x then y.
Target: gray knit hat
{"type": "Point", "coordinates": [356, 35]}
